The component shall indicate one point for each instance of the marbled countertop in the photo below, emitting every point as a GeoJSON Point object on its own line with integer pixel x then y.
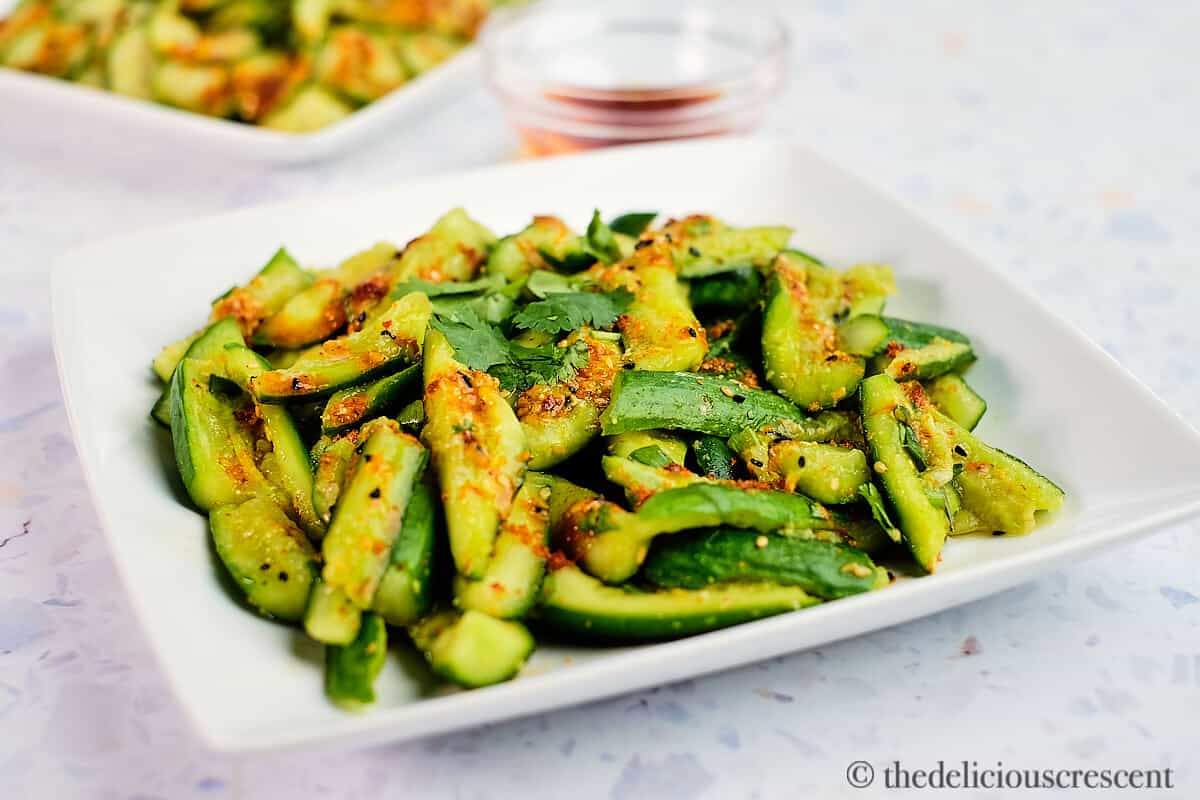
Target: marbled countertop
{"type": "Point", "coordinates": [1058, 139]}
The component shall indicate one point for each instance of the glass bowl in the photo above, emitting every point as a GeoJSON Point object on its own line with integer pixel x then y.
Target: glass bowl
{"type": "Point", "coordinates": [577, 76]}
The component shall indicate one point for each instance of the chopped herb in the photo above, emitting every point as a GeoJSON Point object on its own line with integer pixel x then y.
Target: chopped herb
{"type": "Point", "coordinates": [567, 311]}
{"type": "Point", "coordinates": [912, 445]}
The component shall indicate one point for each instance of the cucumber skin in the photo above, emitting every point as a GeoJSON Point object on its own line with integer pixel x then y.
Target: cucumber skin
{"type": "Point", "coordinates": [405, 591]}
{"type": "Point", "coordinates": [923, 527]}
{"type": "Point", "coordinates": [644, 400]}
{"type": "Point", "coordinates": [351, 670]}
{"type": "Point", "coordinates": [715, 458]}
{"type": "Point", "coordinates": [575, 603]}
{"type": "Point", "coordinates": [702, 558]}
{"type": "Point", "coordinates": [731, 291]}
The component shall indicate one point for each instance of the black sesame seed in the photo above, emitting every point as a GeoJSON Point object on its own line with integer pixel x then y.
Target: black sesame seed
{"type": "Point", "coordinates": [628, 365]}
{"type": "Point", "coordinates": [264, 566]}
{"type": "Point", "coordinates": [642, 243]}
{"type": "Point", "coordinates": [296, 385]}
{"type": "Point", "coordinates": [756, 462]}
{"type": "Point", "coordinates": [693, 252]}
{"type": "Point", "coordinates": [962, 451]}
{"type": "Point", "coordinates": [362, 316]}
{"type": "Point", "coordinates": [802, 462]}
{"type": "Point", "coordinates": [738, 398]}
{"type": "Point", "coordinates": [367, 458]}
{"type": "Point", "coordinates": [692, 332]}
{"type": "Point", "coordinates": [375, 493]}
{"type": "Point", "coordinates": [997, 533]}
{"type": "Point", "coordinates": [283, 576]}
{"type": "Point", "coordinates": [467, 381]}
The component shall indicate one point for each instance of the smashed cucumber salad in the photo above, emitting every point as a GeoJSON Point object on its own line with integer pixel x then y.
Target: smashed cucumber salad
{"type": "Point", "coordinates": [634, 433]}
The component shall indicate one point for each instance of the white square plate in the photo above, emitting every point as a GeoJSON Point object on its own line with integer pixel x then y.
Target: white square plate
{"type": "Point", "coordinates": [45, 104]}
{"type": "Point", "coordinates": [1127, 462]}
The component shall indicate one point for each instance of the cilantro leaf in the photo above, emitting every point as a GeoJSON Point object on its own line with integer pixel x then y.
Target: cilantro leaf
{"type": "Point", "coordinates": [476, 344]}
{"type": "Point", "coordinates": [567, 311]}
{"type": "Point", "coordinates": [634, 223]}
{"type": "Point", "coordinates": [600, 240]}
{"type": "Point", "coordinates": [548, 363]}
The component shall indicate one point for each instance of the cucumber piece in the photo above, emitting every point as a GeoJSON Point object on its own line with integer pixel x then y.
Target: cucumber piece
{"type": "Point", "coordinates": [954, 398]}
{"type": "Point", "coordinates": [643, 400]}
{"type": "Point", "coordinates": [160, 412]}
{"type": "Point", "coordinates": [288, 453]}
{"type": "Point", "coordinates": [331, 459]}
{"type": "Point", "coordinates": [405, 592]}
{"type": "Point", "coordinates": [169, 357]}
{"type": "Point", "coordinates": [700, 559]}
{"type": "Point", "coordinates": [310, 109]}
{"type": "Point", "coordinates": [864, 335]}
{"type": "Point", "coordinates": [310, 18]}
{"type": "Point", "coordinates": [364, 265]}
{"type": "Point", "coordinates": [611, 543]}
{"type": "Point", "coordinates": [267, 293]}
{"type": "Point", "coordinates": [659, 329]}
{"type": "Point", "coordinates": [715, 458]}
{"type": "Point", "coordinates": [827, 473]}
{"type": "Point", "coordinates": [576, 603]}
{"type": "Point", "coordinates": [510, 583]}
{"type": "Point", "coordinates": [798, 338]}
{"type": "Point", "coordinates": [478, 449]}
{"type": "Point", "coordinates": [391, 341]}
{"type": "Point", "coordinates": [351, 670]}
{"type": "Point", "coordinates": [886, 413]}
{"type": "Point", "coordinates": [547, 243]}
{"type": "Point", "coordinates": [357, 64]}
{"type": "Point", "coordinates": [1000, 492]}
{"type": "Point", "coordinates": [130, 64]}
{"type": "Point", "coordinates": [471, 648]}
{"type": "Point", "coordinates": [421, 51]}
{"type": "Point", "coordinates": [702, 245]}
{"type": "Point", "coordinates": [206, 344]}
{"type": "Point", "coordinates": [314, 314]}
{"type": "Point", "coordinates": [865, 290]}
{"type": "Point", "coordinates": [560, 419]}
{"type": "Point", "coordinates": [640, 480]}
{"type": "Point", "coordinates": [214, 451]}
{"type": "Point", "coordinates": [268, 557]}
{"type": "Point", "coordinates": [563, 495]}
{"type": "Point", "coordinates": [733, 291]}
{"type": "Point", "coordinates": [624, 445]}
{"type": "Point", "coordinates": [931, 360]}
{"type": "Point", "coordinates": [452, 250]}
{"type": "Point", "coordinates": [351, 407]}
{"type": "Point", "coordinates": [369, 513]}
{"type": "Point", "coordinates": [330, 617]}
{"type": "Point", "coordinates": [203, 88]}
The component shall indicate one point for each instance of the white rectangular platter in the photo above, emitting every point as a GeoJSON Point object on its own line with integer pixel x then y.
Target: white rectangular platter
{"type": "Point", "coordinates": [78, 113]}
{"type": "Point", "coordinates": [1127, 462]}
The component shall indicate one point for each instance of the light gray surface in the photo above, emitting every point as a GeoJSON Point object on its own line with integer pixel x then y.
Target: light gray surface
{"type": "Point", "coordinates": [1056, 139]}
